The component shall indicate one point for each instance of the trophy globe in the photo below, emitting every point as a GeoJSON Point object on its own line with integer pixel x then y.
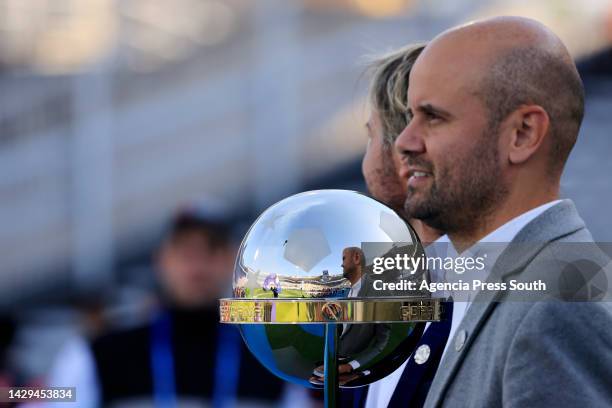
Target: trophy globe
{"type": "Point", "coordinates": [322, 290]}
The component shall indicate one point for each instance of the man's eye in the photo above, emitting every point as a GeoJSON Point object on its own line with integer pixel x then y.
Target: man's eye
{"type": "Point", "coordinates": [432, 117]}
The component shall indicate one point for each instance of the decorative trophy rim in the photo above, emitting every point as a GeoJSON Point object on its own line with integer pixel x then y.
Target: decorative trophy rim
{"type": "Point", "coordinates": [332, 310]}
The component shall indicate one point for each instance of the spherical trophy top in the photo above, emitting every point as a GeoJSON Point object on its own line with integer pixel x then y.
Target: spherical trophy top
{"type": "Point", "coordinates": [295, 248]}
{"type": "Point", "coordinates": [315, 260]}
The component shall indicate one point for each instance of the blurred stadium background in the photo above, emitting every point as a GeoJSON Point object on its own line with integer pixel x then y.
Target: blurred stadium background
{"type": "Point", "coordinates": [113, 114]}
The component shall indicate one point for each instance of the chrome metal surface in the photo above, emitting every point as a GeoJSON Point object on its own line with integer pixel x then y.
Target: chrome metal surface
{"type": "Point", "coordinates": [311, 261]}
{"type": "Point", "coordinates": [296, 352]}
{"type": "Point", "coordinates": [295, 248]}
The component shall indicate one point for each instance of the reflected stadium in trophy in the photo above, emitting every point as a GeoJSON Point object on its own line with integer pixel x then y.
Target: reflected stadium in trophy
{"type": "Point", "coordinates": [305, 295]}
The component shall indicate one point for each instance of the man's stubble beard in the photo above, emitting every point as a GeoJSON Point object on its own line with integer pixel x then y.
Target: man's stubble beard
{"type": "Point", "coordinates": [384, 183]}
{"type": "Point", "coordinates": [466, 193]}
{"type": "Point", "coordinates": [348, 272]}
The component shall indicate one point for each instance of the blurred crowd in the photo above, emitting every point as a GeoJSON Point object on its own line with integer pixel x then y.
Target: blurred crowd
{"type": "Point", "coordinates": [169, 347]}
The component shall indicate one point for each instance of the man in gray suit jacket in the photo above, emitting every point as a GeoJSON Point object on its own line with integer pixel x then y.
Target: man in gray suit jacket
{"type": "Point", "coordinates": [360, 343]}
{"type": "Point", "coordinates": [495, 108]}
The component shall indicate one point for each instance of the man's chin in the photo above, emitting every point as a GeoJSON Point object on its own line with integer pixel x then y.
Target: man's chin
{"type": "Point", "coordinates": [421, 210]}
{"type": "Point", "coordinates": [417, 207]}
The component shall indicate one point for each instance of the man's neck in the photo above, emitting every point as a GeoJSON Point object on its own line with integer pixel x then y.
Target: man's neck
{"type": "Point", "coordinates": [355, 279]}
{"type": "Point", "coordinates": [505, 212]}
{"type": "Point", "coordinates": [426, 234]}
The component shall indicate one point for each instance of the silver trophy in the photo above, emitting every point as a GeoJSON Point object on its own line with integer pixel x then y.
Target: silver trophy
{"type": "Point", "coordinates": [324, 291]}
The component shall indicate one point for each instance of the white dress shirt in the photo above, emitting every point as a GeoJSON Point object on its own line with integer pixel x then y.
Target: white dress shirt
{"type": "Point", "coordinates": [354, 292]}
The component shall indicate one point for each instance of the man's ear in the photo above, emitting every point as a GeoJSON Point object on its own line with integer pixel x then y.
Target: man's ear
{"type": "Point", "coordinates": [530, 125]}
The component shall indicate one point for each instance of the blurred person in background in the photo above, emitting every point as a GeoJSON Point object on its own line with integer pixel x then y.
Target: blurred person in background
{"type": "Point", "coordinates": [409, 384]}
{"type": "Point", "coordinates": [183, 356]}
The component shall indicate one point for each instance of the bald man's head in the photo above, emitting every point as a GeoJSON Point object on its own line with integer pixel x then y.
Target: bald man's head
{"type": "Point", "coordinates": [524, 63]}
{"type": "Point", "coordinates": [353, 263]}
{"type": "Point", "coordinates": [495, 107]}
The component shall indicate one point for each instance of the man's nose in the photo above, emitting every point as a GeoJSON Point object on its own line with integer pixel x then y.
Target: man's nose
{"type": "Point", "coordinates": [410, 141]}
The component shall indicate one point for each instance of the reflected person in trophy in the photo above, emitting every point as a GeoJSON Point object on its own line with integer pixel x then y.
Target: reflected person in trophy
{"type": "Point", "coordinates": [359, 344]}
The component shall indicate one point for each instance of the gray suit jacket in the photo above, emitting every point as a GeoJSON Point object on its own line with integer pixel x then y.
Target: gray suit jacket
{"type": "Point", "coordinates": [536, 354]}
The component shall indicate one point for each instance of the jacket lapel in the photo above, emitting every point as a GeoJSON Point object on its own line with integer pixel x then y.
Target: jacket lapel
{"type": "Point", "coordinates": [557, 221]}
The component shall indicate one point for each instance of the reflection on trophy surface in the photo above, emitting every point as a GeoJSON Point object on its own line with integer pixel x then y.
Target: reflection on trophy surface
{"type": "Point", "coordinates": [359, 344]}
{"type": "Point", "coordinates": [308, 261]}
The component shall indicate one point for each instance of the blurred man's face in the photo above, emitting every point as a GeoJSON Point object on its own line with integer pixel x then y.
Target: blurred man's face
{"type": "Point", "coordinates": [380, 167]}
{"type": "Point", "coordinates": [349, 264]}
{"type": "Point", "coordinates": [193, 273]}
{"type": "Point", "coordinates": [449, 154]}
